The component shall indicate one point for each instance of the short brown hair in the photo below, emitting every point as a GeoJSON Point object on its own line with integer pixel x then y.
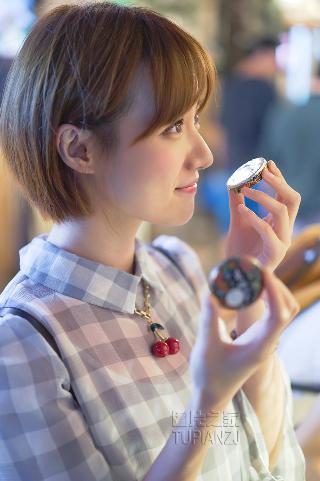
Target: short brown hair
{"type": "Point", "coordinates": [77, 65]}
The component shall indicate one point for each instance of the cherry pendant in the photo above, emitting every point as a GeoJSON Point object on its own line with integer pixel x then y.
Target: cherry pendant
{"type": "Point", "coordinates": [160, 349]}
{"type": "Point", "coordinates": [173, 344]}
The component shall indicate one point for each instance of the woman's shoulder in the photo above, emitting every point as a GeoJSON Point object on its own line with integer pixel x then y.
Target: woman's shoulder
{"type": "Point", "coordinates": [183, 258]}
{"type": "Point", "coordinates": [179, 250]}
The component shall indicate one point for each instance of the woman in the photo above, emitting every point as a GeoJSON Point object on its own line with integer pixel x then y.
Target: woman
{"type": "Point", "coordinates": [100, 127]}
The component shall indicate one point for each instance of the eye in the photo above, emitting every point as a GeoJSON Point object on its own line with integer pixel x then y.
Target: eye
{"type": "Point", "coordinates": [178, 125]}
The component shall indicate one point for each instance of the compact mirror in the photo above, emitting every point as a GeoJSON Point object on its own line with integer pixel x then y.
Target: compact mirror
{"type": "Point", "coordinates": [247, 174]}
{"type": "Point", "coordinates": [237, 282]}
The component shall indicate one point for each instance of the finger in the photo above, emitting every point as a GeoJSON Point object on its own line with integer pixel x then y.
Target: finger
{"type": "Point", "coordinates": [264, 334]}
{"type": "Point", "coordinates": [291, 301]}
{"type": "Point", "coordinates": [235, 199]}
{"type": "Point", "coordinates": [282, 304]}
{"type": "Point", "coordinates": [275, 169]}
{"type": "Point", "coordinates": [262, 337]}
{"type": "Point", "coordinates": [268, 218]}
{"type": "Point", "coordinates": [279, 211]}
{"type": "Point", "coordinates": [284, 192]}
{"type": "Point", "coordinates": [265, 231]}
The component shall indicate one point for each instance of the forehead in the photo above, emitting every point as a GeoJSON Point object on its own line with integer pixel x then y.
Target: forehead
{"type": "Point", "coordinates": [154, 102]}
{"type": "Point", "coordinates": [142, 110]}
{"type": "Point", "coordinates": [141, 106]}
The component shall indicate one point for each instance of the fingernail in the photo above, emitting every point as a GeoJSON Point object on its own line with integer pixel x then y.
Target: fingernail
{"type": "Point", "coordinates": [273, 166]}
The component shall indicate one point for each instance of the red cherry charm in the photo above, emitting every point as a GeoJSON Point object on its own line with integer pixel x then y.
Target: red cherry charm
{"type": "Point", "coordinates": [174, 345]}
{"type": "Point", "coordinates": [160, 349]}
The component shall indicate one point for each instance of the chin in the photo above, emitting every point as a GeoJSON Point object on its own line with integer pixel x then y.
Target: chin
{"type": "Point", "coordinates": [184, 221]}
{"type": "Point", "coordinates": [177, 220]}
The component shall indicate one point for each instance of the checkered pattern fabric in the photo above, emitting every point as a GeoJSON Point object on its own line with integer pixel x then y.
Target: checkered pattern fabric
{"type": "Point", "coordinates": [128, 400]}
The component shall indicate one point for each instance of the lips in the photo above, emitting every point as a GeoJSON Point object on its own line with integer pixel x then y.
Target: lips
{"type": "Point", "coordinates": [188, 185]}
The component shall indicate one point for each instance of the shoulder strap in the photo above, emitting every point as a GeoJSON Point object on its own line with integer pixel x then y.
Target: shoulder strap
{"type": "Point", "coordinates": [172, 259]}
{"type": "Point", "coordinates": [39, 327]}
{"type": "Point", "coordinates": [35, 323]}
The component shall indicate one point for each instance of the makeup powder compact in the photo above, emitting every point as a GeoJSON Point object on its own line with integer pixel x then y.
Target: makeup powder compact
{"type": "Point", "coordinates": [237, 282]}
{"type": "Point", "coordinates": [247, 174]}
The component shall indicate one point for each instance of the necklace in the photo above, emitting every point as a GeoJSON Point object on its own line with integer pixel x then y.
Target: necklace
{"type": "Point", "coordinates": [164, 345]}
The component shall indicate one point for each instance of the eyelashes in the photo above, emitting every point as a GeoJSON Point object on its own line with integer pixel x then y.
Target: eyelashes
{"type": "Point", "coordinates": [179, 124]}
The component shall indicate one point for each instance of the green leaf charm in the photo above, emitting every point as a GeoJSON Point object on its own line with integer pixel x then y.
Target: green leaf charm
{"type": "Point", "coordinates": [155, 326]}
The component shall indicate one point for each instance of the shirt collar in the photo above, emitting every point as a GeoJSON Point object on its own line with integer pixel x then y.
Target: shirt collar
{"type": "Point", "coordinates": [85, 279]}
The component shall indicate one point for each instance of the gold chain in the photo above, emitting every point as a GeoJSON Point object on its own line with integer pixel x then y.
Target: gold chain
{"type": "Point", "coordinates": [146, 311]}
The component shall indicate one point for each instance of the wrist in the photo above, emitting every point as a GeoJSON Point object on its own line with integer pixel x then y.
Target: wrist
{"type": "Point", "coordinates": [204, 401]}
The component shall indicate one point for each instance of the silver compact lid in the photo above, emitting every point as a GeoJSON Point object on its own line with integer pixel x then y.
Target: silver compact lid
{"type": "Point", "coordinates": [246, 172]}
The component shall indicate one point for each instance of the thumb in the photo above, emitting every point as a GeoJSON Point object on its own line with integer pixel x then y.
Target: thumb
{"type": "Point", "coordinates": [209, 318]}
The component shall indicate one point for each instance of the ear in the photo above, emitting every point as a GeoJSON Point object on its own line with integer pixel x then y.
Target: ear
{"type": "Point", "coordinates": [73, 145]}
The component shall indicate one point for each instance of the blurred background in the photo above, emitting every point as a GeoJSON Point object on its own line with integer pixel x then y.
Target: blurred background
{"type": "Point", "coordinates": [267, 103]}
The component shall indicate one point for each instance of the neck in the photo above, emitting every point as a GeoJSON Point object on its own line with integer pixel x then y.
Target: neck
{"type": "Point", "coordinates": [96, 239]}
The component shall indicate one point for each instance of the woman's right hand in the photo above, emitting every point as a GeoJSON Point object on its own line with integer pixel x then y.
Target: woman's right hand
{"type": "Point", "coordinates": [220, 367]}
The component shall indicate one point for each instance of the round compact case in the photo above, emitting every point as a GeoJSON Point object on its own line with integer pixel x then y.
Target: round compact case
{"type": "Point", "coordinates": [237, 282]}
{"type": "Point", "coordinates": [247, 174]}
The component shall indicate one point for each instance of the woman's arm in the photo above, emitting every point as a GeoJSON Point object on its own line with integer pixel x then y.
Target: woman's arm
{"type": "Point", "coordinates": [265, 389]}
{"type": "Point", "coordinates": [183, 461]}
{"type": "Point", "coordinates": [268, 240]}
{"type": "Point", "coordinates": [269, 393]}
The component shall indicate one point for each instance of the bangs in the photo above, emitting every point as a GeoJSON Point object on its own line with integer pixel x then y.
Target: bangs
{"type": "Point", "coordinates": [182, 72]}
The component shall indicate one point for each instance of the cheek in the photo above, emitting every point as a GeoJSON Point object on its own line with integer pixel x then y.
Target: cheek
{"type": "Point", "coordinates": [141, 180]}
{"type": "Point", "coordinates": [146, 175]}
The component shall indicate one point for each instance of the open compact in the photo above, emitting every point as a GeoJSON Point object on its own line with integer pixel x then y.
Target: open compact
{"type": "Point", "coordinates": [247, 174]}
{"type": "Point", "coordinates": [237, 282]}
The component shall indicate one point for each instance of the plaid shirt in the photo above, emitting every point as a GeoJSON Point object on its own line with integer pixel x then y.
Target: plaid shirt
{"type": "Point", "coordinates": [129, 401]}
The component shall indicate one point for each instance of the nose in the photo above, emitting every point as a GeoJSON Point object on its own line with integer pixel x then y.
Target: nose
{"type": "Point", "coordinates": [200, 156]}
